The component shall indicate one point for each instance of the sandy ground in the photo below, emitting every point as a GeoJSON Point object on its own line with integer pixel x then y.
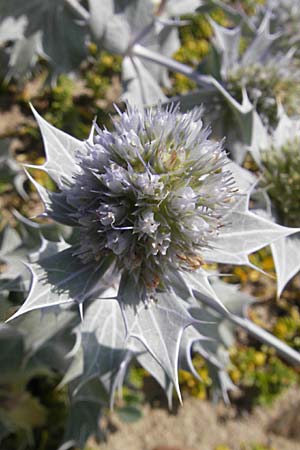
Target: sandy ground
{"type": "Point", "coordinates": [199, 425]}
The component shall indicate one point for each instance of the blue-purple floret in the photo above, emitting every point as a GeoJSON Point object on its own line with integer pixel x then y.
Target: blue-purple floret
{"type": "Point", "coordinates": [152, 193]}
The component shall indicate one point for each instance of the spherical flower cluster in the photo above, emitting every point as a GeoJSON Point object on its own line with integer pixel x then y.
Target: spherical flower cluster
{"type": "Point", "coordinates": [281, 178]}
{"type": "Point", "coordinates": [267, 84]}
{"type": "Point", "coordinates": [152, 193]}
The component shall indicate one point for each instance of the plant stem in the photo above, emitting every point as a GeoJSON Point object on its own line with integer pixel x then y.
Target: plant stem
{"type": "Point", "coordinates": [78, 9]}
{"type": "Point", "coordinates": [171, 64]}
{"type": "Point", "coordinates": [201, 80]}
{"type": "Point", "coordinates": [284, 350]}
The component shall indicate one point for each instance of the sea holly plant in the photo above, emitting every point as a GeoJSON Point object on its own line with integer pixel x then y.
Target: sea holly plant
{"type": "Point", "coordinates": [237, 83]}
{"type": "Point", "coordinates": [149, 38]}
{"type": "Point", "coordinates": [278, 156]}
{"type": "Point", "coordinates": [150, 202]}
{"type": "Point", "coordinates": [73, 26]}
{"type": "Point", "coordinates": [149, 24]}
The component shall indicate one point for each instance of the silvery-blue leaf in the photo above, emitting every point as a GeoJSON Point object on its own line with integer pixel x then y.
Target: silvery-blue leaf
{"type": "Point", "coordinates": [242, 111]}
{"type": "Point", "coordinates": [33, 233]}
{"type": "Point", "coordinates": [24, 56]}
{"type": "Point", "coordinates": [15, 275]}
{"type": "Point", "coordinates": [239, 137]}
{"type": "Point", "coordinates": [159, 326]}
{"type": "Point", "coordinates": [130, 291]}
{"type": "Point", "coordinates": [182, 7]}
{"type": "Point", "coordinates": [116, 383]}
{"type": "Point", "coordinates": [225, 331]}
{"type": "Point", "coordinates": [260, 139]}
{"type": "Point", "coordinates": [60, 279]}
{"type": "Point", "coordinates": [47, 249]}
{"type": "Point", "coordinates": [48, 22]}
{"type": "Point", "coordinates": [211, 64]}
{"type": "Point", "coordinates": [100, 13]}
{"type": "Point", "coordinates": [198, 282]}
{"type": "Point", "coordinates": [221, 381]}
{"type": "Point", "coordinates": [261, 44]}
{"type": "Point", "coordinates": [38, 327]}
{"type": "Point", "coordinates": [286, 255]}
{"type": "Point", "coordinates": [10, 170]}
{"type": "Point", "coordinates": [194, 98]}
{"type": "Point", "coordinates": [60, 149]}
{"type": "Point", "coordinates": [115, 24]}
{"type": "Point", "coordinates": [28, 244]}
{"type": "Point", "coordinates": [239, 131]}
{"type": "Point", "coordinates": [149, 363]}
{"type": "Point", "coordinates": [140, 88]}
{"type": "Point", "coordinates": [227, 42]}
{"type": "Point", "coordinates": [135, 22]}
{"type": "Point", "coordinates": [55, 204]}
{"type": "Point", "coordinates": [52, 354]}
{"type": "Point", "coordinates": [222, 335]}
{"type": "Point", "coordinates": [9, 240]}
{"type": "Point", "coordinates": [12, 29]}
{"type": "Point", "coordinates": [214, 350]}
{"type": "Point", "coordinates": [117, 35]}
{"type": "Point", "coordinates": [76, 367]}
{"type": "Point", "coordinates": [245, 233]}
{"type": "Point", "coordinates": [103, 341]}
{"type": "Point", "coordinates": [84, 416]}
{"type": "Point", "coordinates": [180, 285]}
{"type": "Point", "coordinates": [288, 129]}
{"type": "Point", "coordinates": [139, 14]}
{"type": "Point", "coordinates": [218, 104]}
{"type": "Point", "coordinates": [236, 301]}
{"type": "Point", "coordinates": [189, 338]}
{"type": "Point", "coordinates": [165, 42]}
{"type": "Point", "coordinates": [209, 325]}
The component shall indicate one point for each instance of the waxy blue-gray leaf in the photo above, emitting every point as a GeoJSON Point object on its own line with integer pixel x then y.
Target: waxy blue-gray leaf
{"type": "Point", "coordinates": [227, 42]}
{"type": "Point", "coordinates": [247, 233]}
{"type": "Point", "coordinates": [60, 279]}
{"type": "Point", "coordinates": [61, 149]}
{"type": "Point", "coordinates": [286, 254]}
{"type": "Point", "coordinates": [159, 327]}
{"type": "Point", "coordinates": [47, 23]}
{"type": "Point", "coordinates": [140, 88]}
{"type": "Point", "coordinates": [103, 341]}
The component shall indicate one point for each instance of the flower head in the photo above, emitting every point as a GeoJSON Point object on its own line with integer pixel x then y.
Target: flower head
{"type": "Point", "coordinates": [151, 193]}
{"type": "Point", "coordinates": [268, 83]}
{"type": "Point", "coordinates": [281, 178]}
